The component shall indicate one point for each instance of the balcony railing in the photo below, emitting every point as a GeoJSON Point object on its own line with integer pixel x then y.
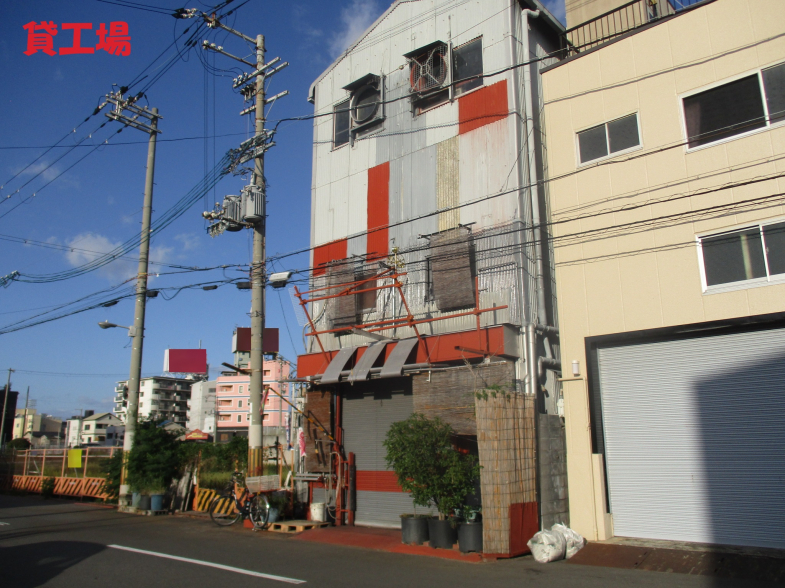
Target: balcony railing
{"type": "Point", "coordinates": [616, 22]}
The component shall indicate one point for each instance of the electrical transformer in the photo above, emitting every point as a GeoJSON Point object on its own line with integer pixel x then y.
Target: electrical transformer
{"type": "Point", "coordinates": [253, 204]}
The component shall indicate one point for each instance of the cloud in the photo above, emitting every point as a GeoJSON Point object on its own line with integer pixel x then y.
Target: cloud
{"type": "Point", "coordinates": [302, 26]}
{"type": "Point", "coordinates": [89, 246]}
{"type": "Point", "coordinates": [189, 241]}
{"type": "Point", "coordinates": [355, 19]}
{"type": "Point", "coordinates": [42, 168]}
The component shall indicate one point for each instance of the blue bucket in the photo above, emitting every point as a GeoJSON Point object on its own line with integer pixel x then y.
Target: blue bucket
{"type": "Point", "coordinates": [157, 502]}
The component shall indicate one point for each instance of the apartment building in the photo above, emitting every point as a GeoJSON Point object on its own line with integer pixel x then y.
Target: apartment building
{"type": "Point", "coordinates": [160, 397]}
{"type": "Point", "coordinates": [665, 157]}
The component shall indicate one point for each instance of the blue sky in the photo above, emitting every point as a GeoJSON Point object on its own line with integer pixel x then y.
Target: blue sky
{"type": "Point", "coordinates": [97, 204]}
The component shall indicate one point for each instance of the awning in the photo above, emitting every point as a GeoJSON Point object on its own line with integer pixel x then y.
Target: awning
{"type": "Point", "coordinates": [393, 367]}
{"type": "Point", "coordinates": [332, 374]}
{"type": "Point", "coordinates": [363, 367]}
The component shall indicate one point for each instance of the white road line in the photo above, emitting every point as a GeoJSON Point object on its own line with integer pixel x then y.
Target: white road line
{"type": "Point", "coordinates": [5, 524]}
{"type": "Point", "coordinates": [211, 565]}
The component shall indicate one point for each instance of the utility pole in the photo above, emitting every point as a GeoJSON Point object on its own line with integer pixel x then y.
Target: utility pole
{"type": "Point", "coordinates": [147, 121]}
{"type": "Point", "coordinates": [253, 215]}
{"type": "Point", "coordinates": [5, 406]}
{"type": "Point", "coordinates": [27, 401]}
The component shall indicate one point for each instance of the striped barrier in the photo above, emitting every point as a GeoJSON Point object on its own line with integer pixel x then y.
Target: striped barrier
{"type": "Point", "coordinates": [205, 497]}
{"type": "Point", "coordinates": [77, 487]}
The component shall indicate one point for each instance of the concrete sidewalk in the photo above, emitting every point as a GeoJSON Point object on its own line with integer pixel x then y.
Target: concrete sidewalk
{"type": "Point", "coordinates": [764, 565]}
{"type": "Point", "coordinates": [381, 540]}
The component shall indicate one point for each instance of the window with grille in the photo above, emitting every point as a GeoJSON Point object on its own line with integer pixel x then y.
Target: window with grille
{"type": "Point", "coordinates": [467, 66]}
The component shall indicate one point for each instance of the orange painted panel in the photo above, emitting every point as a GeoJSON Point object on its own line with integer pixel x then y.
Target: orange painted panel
{"type": "Point", "coordinates": [482, 107]}
{"type": "Point", "coordinates": [378, 211]}
{"type": "Point", "coordinates": [377, 481]}
{"type": "Point", "coordinates": [324, 254]}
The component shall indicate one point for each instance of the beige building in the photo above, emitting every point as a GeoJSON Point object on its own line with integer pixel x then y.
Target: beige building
{"type": "Point", "coordinates": [666, 169]}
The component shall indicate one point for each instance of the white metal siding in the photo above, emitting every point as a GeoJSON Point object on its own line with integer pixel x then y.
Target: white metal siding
{"type": "Point", "coordinates": [694, 438]}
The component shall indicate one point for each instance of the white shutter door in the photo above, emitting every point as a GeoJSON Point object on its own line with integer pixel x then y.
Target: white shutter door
{"type": "Point", "coordinates": [695, 438]}
{"type": "Point", "coordinates": [366, 419]}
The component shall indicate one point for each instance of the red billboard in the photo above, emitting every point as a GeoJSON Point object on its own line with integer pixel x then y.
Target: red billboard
{"type": "Point", "coordinates": [242, 340]}
{"type": "Point", "coordinates": [185, 361]}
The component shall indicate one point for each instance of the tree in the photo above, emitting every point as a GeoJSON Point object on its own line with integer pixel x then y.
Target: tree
{"type": "Point", "coordinates": [420, 452]}
{"type": "Point", "coordinates": [155, 458]}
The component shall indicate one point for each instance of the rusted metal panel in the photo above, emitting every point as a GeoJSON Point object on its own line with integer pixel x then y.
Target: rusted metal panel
{"type": "Point", "coordinates": [318, 406]}
{"type": "Point", "coordinates": [341, 310]}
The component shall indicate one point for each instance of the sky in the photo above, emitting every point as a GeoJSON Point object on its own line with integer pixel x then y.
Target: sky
{"type": "Point", "coordinates": [72, 203]}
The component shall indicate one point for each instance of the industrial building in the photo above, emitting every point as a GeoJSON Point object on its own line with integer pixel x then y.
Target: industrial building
{"type": "Point", "coordinates": [430, 278]}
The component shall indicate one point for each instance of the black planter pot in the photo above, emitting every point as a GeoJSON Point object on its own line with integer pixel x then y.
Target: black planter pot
{"type": "Point", "coordinates": [414, 530]}
{"type": "Point", "coordinates": [144, 502]}
{"type": "Point", "coordinates": [441, 533]}
{"type": "Point", "coordinates": [470, 537]}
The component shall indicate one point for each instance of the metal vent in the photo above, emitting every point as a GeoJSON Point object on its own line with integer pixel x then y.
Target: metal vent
{"type": "Point", "coordinates": [428, 70]}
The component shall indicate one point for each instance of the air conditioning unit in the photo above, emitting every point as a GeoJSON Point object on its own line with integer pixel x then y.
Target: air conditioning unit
{"type": "Point", "coordinates": [429, 68]}
{"type": "Point", "coordinates": [253, 204]}
{"type": "Point", "coordinates": [366, 105]}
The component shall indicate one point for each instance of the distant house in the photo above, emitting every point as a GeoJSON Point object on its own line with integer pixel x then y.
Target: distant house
{"type": "Point", "coordinates": [94, 427]}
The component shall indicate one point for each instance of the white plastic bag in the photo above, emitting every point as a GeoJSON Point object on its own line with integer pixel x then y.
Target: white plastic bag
{"type": "Point", "coordinates": [547, 546]}
{"type": "Point", "coordinates": [574, 541]}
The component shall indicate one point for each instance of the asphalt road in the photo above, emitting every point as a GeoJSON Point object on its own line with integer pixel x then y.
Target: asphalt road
{"type": "Point", "coordinates": [70, 544]}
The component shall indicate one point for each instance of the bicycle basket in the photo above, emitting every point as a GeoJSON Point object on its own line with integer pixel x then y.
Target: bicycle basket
{"type": "Point", "coordinates": [262, 483]}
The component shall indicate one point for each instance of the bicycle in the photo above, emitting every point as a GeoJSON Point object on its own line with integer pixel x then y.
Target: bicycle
{"type": "Point", "coordinates": [229, 507]}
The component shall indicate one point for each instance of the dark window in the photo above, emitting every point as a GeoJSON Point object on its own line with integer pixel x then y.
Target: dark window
{"type": "Point", "coordinates": [774, 237]}
{"type": "Point", "coordinates": [341, 119]}
{"type": "Point", "coordinates": [365, 103]}
{"type": "Point", "coordinates": [733, 257]}
{"type": "Point", "coordinates": [725, 111]}
{"type": "Point", "coordinates": [774, 85]}
{"type": "Point", "coordinates": [366, 301]}
{"type": "Point", "coordinates": [428, 280]}
{"type": "Point", "coordinates": [467, 66]}
{"type": "Point", "coordinates": [611, 137]}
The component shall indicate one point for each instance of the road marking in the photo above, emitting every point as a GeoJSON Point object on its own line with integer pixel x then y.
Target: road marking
{"type": "Point", "coordinates": [211, 565]}
{"type": "Point", "coordinates": [5, 524]}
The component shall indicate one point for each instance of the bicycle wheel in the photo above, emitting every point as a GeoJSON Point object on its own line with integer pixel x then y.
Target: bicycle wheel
{"type": "Point", "coordinates": [259, 511]}
{"type": "Point", "coordinates": [223, 510]}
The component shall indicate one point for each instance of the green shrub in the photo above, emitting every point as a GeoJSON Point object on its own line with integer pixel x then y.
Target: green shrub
{"type": "Point", "coordinates": [155, 458]}
{"type": "Point", "coordinates": [48, 487]}
{"type": "Point", "coordinates": [420, 452]}
{"type": "Point", "coordinates": [19, 444]}
{"type": "Point", "coordinates": [112, 471]}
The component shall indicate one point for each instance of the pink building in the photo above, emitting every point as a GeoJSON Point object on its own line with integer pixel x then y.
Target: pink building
{"type": "Point", "coordinates": [233, 401]}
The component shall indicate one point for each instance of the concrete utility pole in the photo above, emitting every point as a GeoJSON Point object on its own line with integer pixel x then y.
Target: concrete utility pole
{"type": "Point", "coordinates": [148, 124]}
{"type": "Point", "coordinates": [253, 216]}
{"type": "Point", "coordinates": [5, 406]}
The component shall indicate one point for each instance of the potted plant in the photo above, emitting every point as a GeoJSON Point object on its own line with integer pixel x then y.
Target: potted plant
{"type": "Point", "coordinates": [420, 452]}
{"type": "Point", "coordinates": [470, 530]}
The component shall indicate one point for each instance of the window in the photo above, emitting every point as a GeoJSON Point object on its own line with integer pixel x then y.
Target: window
{"type": "Point", "coordinates": [87, 427]}
{"type": "Point", "coordinates": [735, 108]}
{"type": "Point", "coordinates": [239, 404]}
{"type": "Point", "coordinates": [753, 253]}
{"type": "Point", "coordinates": [239, 418]}
{"type": "Point", "coordinates": [266, 372]}
{"type": "Point", "coordinates": [428, 280]}
{"type": "Point", "coordinates": [609, 138]}
{"type": "Point", "coordinates": [266, 417]}
{"type": "Point", "coordinates": [224, 403]}
{"type": "Point", "coordinates": [248, 417]}
{"type": "Point", "coordinates": [223, 417]}
{"type": "Point", "coordinates": [467, 66]}
{"type": "Point", "coordinates": [241, 391]}
{"type": "Point", "coordinates": [341, 124]}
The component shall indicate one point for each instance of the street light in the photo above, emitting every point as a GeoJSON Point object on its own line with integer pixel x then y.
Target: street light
{"type": "Point", "coordinates": [108, 325]}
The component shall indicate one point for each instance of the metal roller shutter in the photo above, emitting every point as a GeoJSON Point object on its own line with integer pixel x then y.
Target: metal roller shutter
{"type": "Point", "coordinates": [695, 440]}
{"type": "Point", "coordinates": [368, 412]}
